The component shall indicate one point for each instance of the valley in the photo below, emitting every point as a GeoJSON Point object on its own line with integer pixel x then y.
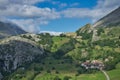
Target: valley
{"type": "Point", "coordinates": [81, 55]}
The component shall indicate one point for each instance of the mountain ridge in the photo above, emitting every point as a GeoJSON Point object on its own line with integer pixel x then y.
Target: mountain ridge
{"type": "Point", "coordinates": [110, 19]}
{"type": "Point", "coordinates": [87, 44]}
{"type": "Point", "coordinates": [9, 29]}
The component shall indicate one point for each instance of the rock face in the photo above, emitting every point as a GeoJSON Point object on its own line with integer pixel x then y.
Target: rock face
{"type": "Point", "coordinates": [111, 19]}
{"type": "Point", "coordinates": [16, 51]}
{"type": "Point", "coordinates": [9, 29]}
{"type": "Point", "coordinates": [1, 76]}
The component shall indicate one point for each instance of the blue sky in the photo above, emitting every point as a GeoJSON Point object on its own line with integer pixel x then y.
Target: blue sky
{"type": "Point", "coordinates": [80, 4]}
{"type": "Point", "coordinates": [67, 24]}
{"type": "Point", "coordinates": [54, 15]}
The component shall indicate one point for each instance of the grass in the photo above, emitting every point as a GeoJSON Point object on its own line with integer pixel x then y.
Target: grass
{"type": "Point", "coordinates": [58, 42]}
{"type": "Point", "coordinates": [96, 76]}
{"type": "Point", "coordinates": [63, 68]}
{"type": "Point", "coordinates": [114, 75]}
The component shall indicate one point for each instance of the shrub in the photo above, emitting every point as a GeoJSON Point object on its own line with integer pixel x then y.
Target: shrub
{"type": "Point", "coordinates": [50, 63]}
{"type": "Point", "coordinates": [48, 71]}
{"type": "Point", "coordinates": [53, 68]}
{"type": "Point", "coordinates": [66, 78]}
{"type": "Point", "coordinates": [57, 72]}
{"type": "Point", "coordinates": [57, 78]}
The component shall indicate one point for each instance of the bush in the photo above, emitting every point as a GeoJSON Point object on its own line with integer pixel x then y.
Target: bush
{"type": "Point", "coordinates": [43, 63]}
{"type": "Point", "coordinates": [62, 35]}
{"type": "Point", "coordinates": [37, 68]}
{"type": "Point", "coordinates": [62, 62]}
{"type": "Point", "coordinates": [66, 78]}
{"type": "Point", "coordinates": [50, 63]}
{"type": "Point", "coordinates": [57, 72]}
{"type": "Point", "coordinates": [57, 78]}
{"type": "Point", "coordinates": [53, 68]}
{"type": "Point", "coordinates": [81, 70]}
{"type": "Point", "coordinates": [48, 71]}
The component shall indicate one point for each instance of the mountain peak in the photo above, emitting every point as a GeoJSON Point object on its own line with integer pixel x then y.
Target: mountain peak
{"type": "Point", "coordinates": [9, 29]}
{"type": "Point", "coordinates": [111, 19]}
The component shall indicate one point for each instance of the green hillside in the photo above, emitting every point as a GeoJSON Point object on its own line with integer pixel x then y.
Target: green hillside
{"type": "Point", "coordinates": [66, 53]}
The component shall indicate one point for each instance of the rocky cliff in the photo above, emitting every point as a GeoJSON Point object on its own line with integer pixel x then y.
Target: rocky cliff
{"type": "Point", "coordinates": [9, 29]}
{"type": "Point", "coordinates": [16, 51]}
{"type": "Point", "coordinates": [111, 19]}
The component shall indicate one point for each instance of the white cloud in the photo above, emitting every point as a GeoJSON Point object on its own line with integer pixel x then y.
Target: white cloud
{"type": "Point", "coordinates": [74, 4]}
{"type": "Point", "coordinates": [54, 2]}
{"type": "Point", "coordinates": [27, 11]}
{"type": "Point", "coordinates": [102, 8]}
{"type": "Point", "coordinates": [27, 25]}
{"type": "Point", "coordinates": [52, 32]}
{"type": "Point", "coordinates": [63, 5]}
{"type": "Point", "coordinates": [27, 2]}
{"type": "Point", "coordinates": [31, 25]}
{"type": "Point", "coordinates": [30, 17]}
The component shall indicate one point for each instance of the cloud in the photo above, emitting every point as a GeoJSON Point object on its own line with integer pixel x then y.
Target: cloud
{"type": "Point", "coordinates": [74, 4]}
{"type": "Point", "coordinates": [63, 5]}
{"type": "Point", "coordinates": [27, 2]}
{"type": "Point", "coordinates": [52, 32]}
{"type": "Point", "coordinates": [27, 11]}
{"type": "Point", "coordinates": [25, 14]}
{"type": "Point", "coordinates": [54, 2]}
{"type": "Point", "coordinates": [28, 17]}
{"type": "Point", "coordinates": [31, 25]}
{"type": "Point", "coordinates": [102, 8]}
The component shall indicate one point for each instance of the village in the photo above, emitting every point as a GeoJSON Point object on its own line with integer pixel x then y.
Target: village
{"type": "Point", "coordinates": [95, 64]}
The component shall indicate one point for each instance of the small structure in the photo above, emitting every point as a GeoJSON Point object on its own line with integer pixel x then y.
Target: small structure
{"type": "Point", "coordinates": [95, 64]}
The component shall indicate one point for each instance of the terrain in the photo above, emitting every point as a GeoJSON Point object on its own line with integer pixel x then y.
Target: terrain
{"type": "Point", "coordinates": [47, 57]}
{"type": "Point", "coordinates": [9, 29]}
{"type": "Point", "coordinates": [109, 20]}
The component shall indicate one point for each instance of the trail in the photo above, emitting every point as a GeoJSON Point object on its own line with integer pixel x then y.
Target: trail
{"type": "Point", "coordinates": [106, 75]}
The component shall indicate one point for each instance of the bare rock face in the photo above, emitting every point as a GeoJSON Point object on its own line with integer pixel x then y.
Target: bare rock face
{"type": "Point", "coordinates": [1, 76]}
{"type": "Point", "coordinates": [16, 51]}
{"type": "Point", "coordinates": [112, 18]}
{"type": "Point", "coordinates": [9, 29]}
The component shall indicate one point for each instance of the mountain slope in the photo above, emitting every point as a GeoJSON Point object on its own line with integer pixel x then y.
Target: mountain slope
{"type": "Point", "coordinates": [9, 29]}
{"type": "Point", "coordinates": [111, 19]}
{"type": "Point", "coordinates": [15, 52]}
{"type": "Point", "coordinates": [66, 53]}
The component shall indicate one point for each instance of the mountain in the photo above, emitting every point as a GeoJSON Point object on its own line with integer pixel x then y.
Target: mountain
{"type": "Point", "coordinates": [16, 52]}
{"type": "Point", "coordinates": [86, 31]}
{"type": "Point", "coordinates": [48, 57]}
{"type": "Point", "coordinates": [9, 29]}
{"type": "Point", "coordinates": [111, 19]}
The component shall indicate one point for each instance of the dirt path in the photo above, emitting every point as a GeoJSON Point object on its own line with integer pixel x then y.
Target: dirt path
{"type": "Point", "coordinates": [106, 75]}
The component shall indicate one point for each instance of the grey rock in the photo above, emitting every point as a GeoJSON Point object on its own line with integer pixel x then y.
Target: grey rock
{"type": "Point", "coordinates": [15, 51]}
{"type": "Point", "coordinates": [112, 18]}
{"type": "Point", "coordinates": [1, 76]}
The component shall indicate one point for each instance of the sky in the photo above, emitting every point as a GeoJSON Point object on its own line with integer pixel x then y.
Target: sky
{"type": "Point", "coordinates": [54, 15]}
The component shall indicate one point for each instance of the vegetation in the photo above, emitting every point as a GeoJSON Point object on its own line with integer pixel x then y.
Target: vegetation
{"type": "Point", "coordinates": [64, 55]}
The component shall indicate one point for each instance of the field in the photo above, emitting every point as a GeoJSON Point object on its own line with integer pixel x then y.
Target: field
{"type": "Point", "coordinates": [51, 69]}
{"type": "Point", "coordinates": [114, 75]}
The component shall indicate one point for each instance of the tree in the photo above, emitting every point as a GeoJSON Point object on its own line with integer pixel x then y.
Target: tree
{"type": "Point", "coordinates": [66, 78]}
{"type": "Point", "coordinates": [48, 71]}
{"type": "Point", "coordinates": [62, 35]}
{"type": "Point", "coordinates": [56, 78]}
{"type": "Point", "coordinates": [81, 70]}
